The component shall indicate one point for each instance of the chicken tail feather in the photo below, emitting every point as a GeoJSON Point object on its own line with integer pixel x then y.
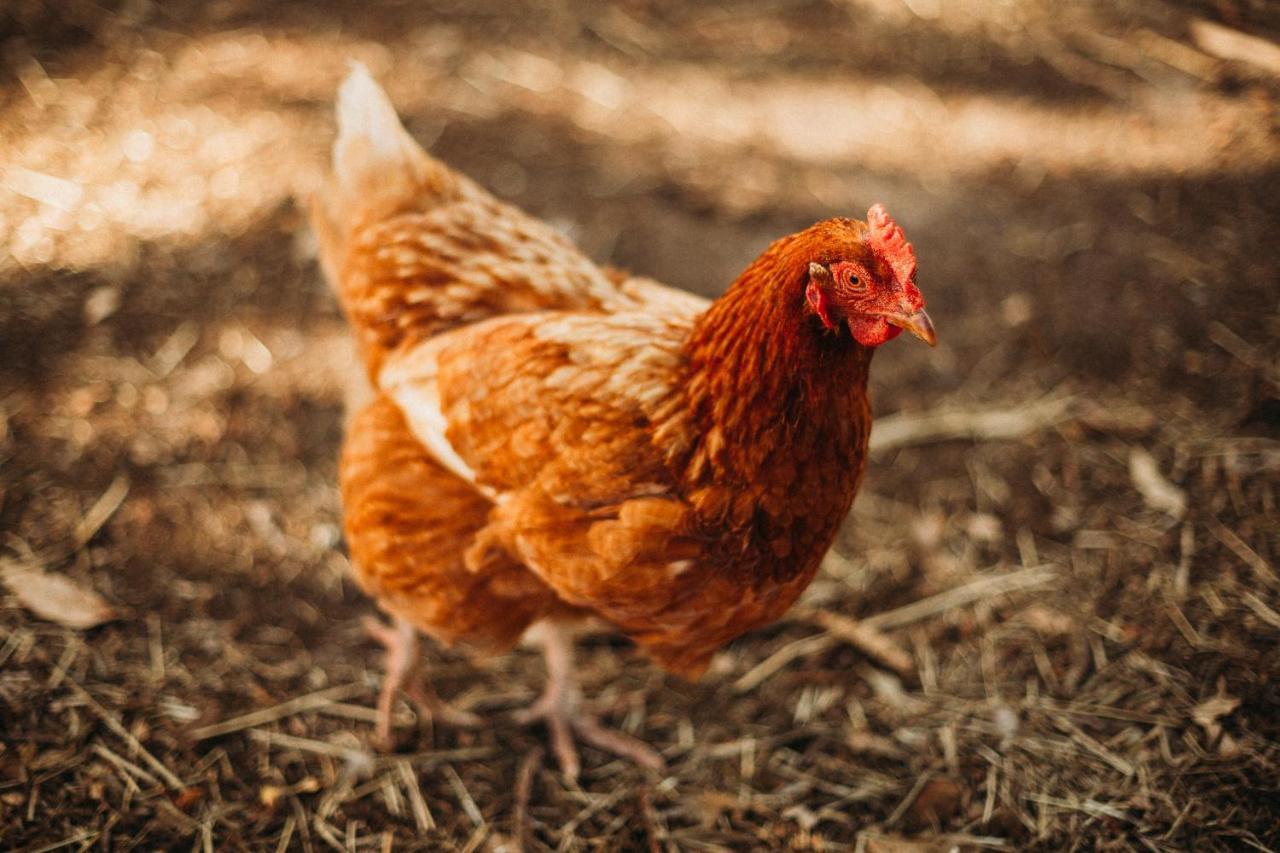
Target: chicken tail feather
{"type": "Point", "coordinates": [371, 140]}
{"type": "Point", "coordinates": [378, 169]}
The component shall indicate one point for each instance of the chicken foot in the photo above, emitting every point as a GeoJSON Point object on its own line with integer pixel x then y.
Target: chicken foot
{"type": "Point", "coordinates": [404, 676]}
{"type": "Point", "coordinates": [561, 708]}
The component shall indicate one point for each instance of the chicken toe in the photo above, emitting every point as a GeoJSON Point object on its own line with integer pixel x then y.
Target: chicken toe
{"type": "Point", "coordinates": [561, 708]}
{"type": "Point", "coordinates": [403, 676]}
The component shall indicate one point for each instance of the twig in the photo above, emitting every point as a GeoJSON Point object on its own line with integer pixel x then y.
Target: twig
{"type": "Point", "coordinates": [762, 671]}
{"type": "Point", "coordinates": [1124, 767]}
{"type": "Point", "coordinates": [421, 814]}
{"type": "Point", "coordinates": [101, 511]}
{"type": "Point", "coordinates": [896, 815]}
{"type": "Point", "coordinates": [1258, 606]}
{"type": "Point", "coordinates": [597, 805]}
{"type": "Point", "coordinates": [464, 796]}
{"type": "Point", "coordinates": [91, 835]}
{"type": "Point", "coordinates": [1251, 558]}
{"type": "Point", "coordinates": [1089, 807]}
{"type": "Point", "coordinates": [286, 835]}
{"type": "Point", "coordinates": [524, 789]}
{"type": "Point", "coordinates": [1244, 352]}
{"type": "Point", "coordinates": [113, 722]}
{"type": "Point", "coordinates": [904, 430]}
{"type": "Point", "coordinates": [318, 747]}
{"type": "Point", "coordinates": [976, 590]}
{"type": "Point", "coordinates": [1226, 43]}
{"type": "Point", "coordinates": [285, 709]}
{"type": "Point", "coordinates": [127, 768]}
{"type": "Point", "coordinates": [862, 637]}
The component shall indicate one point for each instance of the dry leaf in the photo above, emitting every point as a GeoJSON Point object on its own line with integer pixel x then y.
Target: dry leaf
{"type": "Point", "coordinates": [55, 597]}
{"type": "Point", "coordinates": [1158, 492]}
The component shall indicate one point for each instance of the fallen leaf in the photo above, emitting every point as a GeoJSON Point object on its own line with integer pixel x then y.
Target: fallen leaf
{"type": "Point", "coordinates": [1158, 492]}
{"type": "Point", "coordinates": [55, 597]}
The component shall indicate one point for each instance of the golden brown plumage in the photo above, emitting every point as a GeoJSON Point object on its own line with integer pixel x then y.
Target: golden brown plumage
{"type": "Point", "coordinates": [548, 439]}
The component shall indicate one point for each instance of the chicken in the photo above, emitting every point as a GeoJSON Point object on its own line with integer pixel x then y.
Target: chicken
{"type": "Point", "coordinates": [548, 441]}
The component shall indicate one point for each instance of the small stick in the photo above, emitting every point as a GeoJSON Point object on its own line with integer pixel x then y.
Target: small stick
{"type": "Point", "coordinates": [976, 590]}
{"type": "Point", "coordinates": [1243, 351]}
{"type": "Point", "coordinates": [921, 781]}
{"type": "Point", "coordinates": [421, 814]}
{"type": "Point", "coordinates": [113, 722]}
{"type": "Point", "coordinates": [903, 430]}
{"type": "Point", "coordinates": [524, 789]}
{"type": "Point", "coordinates": [1251, 558]}
{"type": "Point", "coordinates": [318, 747]}
{"type": "Point", "coordinates": [127, 768]}
{"type": "Point", "coordinates": [101, 511]}
{"type": "Point", "coordinates": [90, 836]}
{"type": "Point", "coordinates": [1258, 606]}
{"type": "Point", "coordinates": [287, 834]}
{"type": "Point", "coordinates": [464, 796]}
{"type": "Point", "coordinates": [285, 709]}
{"type": "Point", "coordinates": [68, 657]}
{"type": "Point", "coordinates": [1226, 43]}
{"type": "Point", "coordinates": [1120, 764]}
{"type": "Point", "coordinates": [862, 637]}
{"type": "Point", "coordinates": [762, 671]}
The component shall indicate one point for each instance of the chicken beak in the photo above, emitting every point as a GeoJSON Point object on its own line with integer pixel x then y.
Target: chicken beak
{"type": "Point", "coordinates": [917, 324]}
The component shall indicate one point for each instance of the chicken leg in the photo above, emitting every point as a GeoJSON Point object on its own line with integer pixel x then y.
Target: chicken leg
{"type": "Point", "coordinates": [403, 675]}
{"type": "Point", "coordinates": [561, 708]}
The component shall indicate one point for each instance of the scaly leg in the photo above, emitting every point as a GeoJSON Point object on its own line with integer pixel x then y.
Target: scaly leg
{"type": "Point", "coordinates": [560, 707]}
{"type": "Point", "coordinates": [401, 643]}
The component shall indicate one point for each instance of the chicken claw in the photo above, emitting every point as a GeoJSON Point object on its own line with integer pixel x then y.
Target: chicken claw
{"type": "Point", "coordinates": [561, 708]}
{"type": "Point", "coordinates": [403, 675]}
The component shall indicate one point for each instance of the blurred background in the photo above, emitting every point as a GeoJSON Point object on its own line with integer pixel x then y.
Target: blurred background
{"type": "Point", "coordinates": [1069, 536]}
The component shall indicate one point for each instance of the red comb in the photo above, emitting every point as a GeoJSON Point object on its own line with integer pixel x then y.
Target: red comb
{"type": "Point", "coordinates": [889, 242]}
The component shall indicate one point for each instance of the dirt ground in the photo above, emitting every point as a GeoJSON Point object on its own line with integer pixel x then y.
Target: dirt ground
{"type": "Point", "coordinates": [1066, 551]}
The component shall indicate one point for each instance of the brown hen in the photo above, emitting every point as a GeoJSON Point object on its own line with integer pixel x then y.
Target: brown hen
{"type": "Point", "coordinates": [549, 441]}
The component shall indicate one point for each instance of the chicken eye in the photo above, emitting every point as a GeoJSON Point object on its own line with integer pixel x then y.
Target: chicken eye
{"type": "Point", "coordinates": [854, 281]}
